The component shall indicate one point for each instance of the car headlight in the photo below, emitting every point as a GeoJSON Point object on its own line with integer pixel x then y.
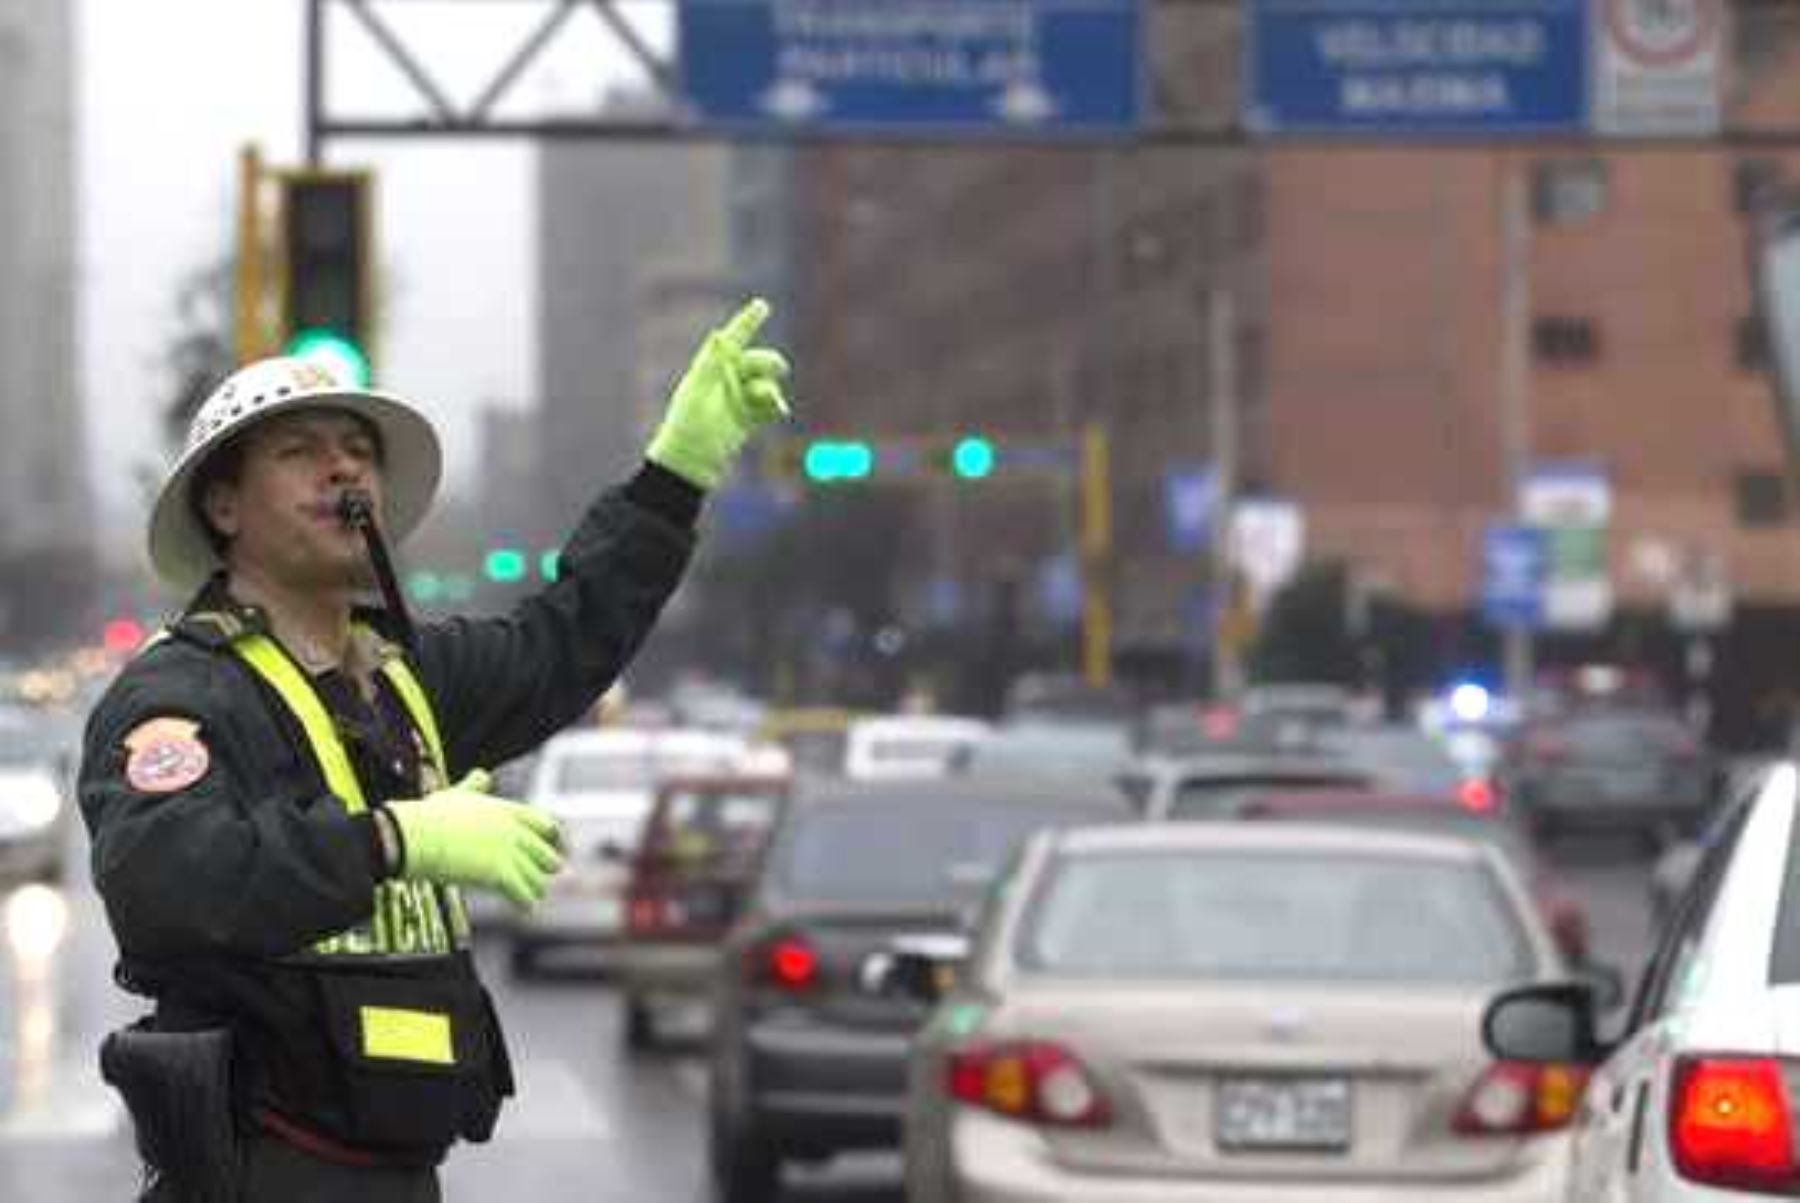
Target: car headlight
{"type": "Point", "coordinates": [29, 802]}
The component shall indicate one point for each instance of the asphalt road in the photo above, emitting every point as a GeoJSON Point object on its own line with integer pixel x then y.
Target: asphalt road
{"type": "Point", "coordinates": [590, 1123]}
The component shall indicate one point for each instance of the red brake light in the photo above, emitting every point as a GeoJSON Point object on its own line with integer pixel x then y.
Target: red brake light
{"type": "Point", "coordinates": [1476, 795]}
{"type": "Point", "coordinates": [1515, 1098]}
{"type": "Point", "coordinates": [1031, 1080]}
{"type": "Point", "coordinates": [642, 914]}
{"type": "Point", "coordinates": [1729, 1124]}
{"type": "Point", "coordinates": [791, 963]}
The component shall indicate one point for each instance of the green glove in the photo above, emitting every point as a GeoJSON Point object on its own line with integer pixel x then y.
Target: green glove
{"type": "Point", "coordinates": [462, 836]}
{"type": "Point", "coordinates": [729, 390]}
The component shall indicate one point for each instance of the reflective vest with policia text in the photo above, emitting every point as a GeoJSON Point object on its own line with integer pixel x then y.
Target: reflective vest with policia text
{"type": "Point", "coordinates": [410, 917]}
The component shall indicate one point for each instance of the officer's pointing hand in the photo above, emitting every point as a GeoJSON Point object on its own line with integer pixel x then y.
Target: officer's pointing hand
{"type": "Point", "coordinates": [463, 836]}
{"type": "Point", "coordinates": [731, 388]}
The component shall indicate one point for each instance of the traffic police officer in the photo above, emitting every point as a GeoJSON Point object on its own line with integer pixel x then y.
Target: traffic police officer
{"type": "Point", "coordinates": [286, 791]}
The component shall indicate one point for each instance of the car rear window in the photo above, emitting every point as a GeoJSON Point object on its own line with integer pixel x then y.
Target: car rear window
{"type": "Point", "coordinates": [1227, 797]}
{"type": "Point", "coordinates": [910, 854]}
{"type": "Point", "coordinates": [1624, 734]}
{"type": "Point", "coordinates": [721, 828]}
{"type": "Point", "coordinates": [1243, 916]}
{"type": "Point", "coordinates": [1402, 760]}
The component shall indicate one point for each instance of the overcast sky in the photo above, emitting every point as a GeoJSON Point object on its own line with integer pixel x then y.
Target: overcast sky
{"type": "Point", "coordinates": [168, 93]}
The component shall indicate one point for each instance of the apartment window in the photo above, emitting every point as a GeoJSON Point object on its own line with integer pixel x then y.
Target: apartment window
{"type": "Point", "coordinates": [1565, 340]}
{"type": "Point", "coordinates": [1755, 183]}
{"type": "Point", "coordinates": [1565, 191]}
{"type": "Point", "coordinates": [1752, 344]}
{"type": "Point", "coordinates": [1761, 498]}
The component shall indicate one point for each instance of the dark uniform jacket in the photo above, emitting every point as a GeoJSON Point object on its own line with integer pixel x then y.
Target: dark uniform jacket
{"type": "Point", "coordinates": [209, 886]}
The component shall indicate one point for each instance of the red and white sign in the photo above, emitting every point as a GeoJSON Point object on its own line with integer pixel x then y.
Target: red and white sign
{"type": "Point", "coordinates": [1658, 66]}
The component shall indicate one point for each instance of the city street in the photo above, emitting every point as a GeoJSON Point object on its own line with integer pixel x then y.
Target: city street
{"type": "Point", "coordinates": [588, 1122]}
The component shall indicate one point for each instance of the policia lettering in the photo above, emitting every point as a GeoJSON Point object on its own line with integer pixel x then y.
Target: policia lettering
{"type": "Point", "coordinates": [410, 917]}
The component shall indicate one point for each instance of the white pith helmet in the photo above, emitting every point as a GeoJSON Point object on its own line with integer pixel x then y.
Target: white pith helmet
{"type": "Point", "coordinates": [180, 550]}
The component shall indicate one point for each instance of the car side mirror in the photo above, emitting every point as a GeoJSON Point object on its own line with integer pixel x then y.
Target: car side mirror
{"type": "Point", "coordinates": [1546, 1022]}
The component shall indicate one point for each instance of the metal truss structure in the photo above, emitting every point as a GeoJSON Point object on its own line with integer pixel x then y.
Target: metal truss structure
{"type": "Point", "coordinates": [1170, 120]}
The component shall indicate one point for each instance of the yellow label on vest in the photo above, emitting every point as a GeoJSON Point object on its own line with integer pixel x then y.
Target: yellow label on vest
{"type": "Point", "coordinates": [393, 1034]}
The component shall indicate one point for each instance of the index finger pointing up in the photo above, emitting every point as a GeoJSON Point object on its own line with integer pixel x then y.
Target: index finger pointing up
{"type": "Point", "coordinates": [744, 324]}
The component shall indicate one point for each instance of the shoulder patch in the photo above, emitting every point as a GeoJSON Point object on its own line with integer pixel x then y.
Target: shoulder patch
{"type": "Point", "coordinates": [166, 755]}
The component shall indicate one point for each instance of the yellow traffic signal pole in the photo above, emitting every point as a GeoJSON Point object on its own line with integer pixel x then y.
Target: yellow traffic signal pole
{"type": "Point", "coordinates": [248, 284]}
{"type": "Point", "coordinates": [1096, 556]}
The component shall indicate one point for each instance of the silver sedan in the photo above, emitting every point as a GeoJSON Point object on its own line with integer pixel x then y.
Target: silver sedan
{"type": "Point", "coordinates": [1230, 1013]}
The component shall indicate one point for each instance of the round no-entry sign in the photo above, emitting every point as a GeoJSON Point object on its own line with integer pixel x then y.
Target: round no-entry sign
{"type": "Point", "coordinates": [1662, 33]}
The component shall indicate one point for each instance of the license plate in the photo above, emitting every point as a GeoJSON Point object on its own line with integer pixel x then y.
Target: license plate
{"type": "Point", "coordinates": [1283, 1113]}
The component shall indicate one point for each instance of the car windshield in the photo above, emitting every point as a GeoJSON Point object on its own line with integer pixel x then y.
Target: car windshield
{"type": "Point", "coordinates": [914, 852]}
{"type": "Point", "coordinates": [1240, 916]}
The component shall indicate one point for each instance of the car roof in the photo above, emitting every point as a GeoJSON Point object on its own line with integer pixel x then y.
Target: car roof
{"type": "Point", "coordinates": [606, 739]}
{"type": "Point", "coordinates": [1262, 837]}
{"type": "Point", "coordinates": [934, 791]}
{"type": "Point", "coordinates": [919, 724]}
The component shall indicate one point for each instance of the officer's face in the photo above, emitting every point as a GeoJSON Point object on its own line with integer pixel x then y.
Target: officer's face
{"type": "Point", "coordinates": [281, 513]}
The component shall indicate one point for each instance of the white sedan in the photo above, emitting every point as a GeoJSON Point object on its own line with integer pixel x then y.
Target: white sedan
{"type": "Point", "coordinates": [1697, 1100]}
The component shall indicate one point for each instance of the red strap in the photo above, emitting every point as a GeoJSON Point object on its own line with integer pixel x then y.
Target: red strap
{"type": "Point", "coordinates": [322, 1147]}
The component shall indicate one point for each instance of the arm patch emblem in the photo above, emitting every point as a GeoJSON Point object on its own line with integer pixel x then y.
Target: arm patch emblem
{"type": "Point", "coordinates": [166, 755]}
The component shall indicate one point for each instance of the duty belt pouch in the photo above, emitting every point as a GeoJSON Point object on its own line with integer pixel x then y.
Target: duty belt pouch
{"type": "Point", "coordinates": [415, 1054]}
{"type": "Point", "coordinates": [178, 1087]}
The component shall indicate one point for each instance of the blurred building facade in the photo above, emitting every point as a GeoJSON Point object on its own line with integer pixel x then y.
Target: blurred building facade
{"type": "Point", "coordinates": [1028, 291]}
{"type": "Point", "coordinates": [46, 528]}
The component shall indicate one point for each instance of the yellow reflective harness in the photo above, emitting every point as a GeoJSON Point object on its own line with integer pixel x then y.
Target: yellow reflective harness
{"type": "Point", "coordinates": [410, 917]}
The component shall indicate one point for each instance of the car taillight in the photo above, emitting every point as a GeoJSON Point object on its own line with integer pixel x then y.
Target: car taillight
{"type": "Point", "coordinates": [1729, 1124]}
{"type": "Point", "coordinates": [1032, 1080]}
{"type": "Point", "coordinates": [1476, 796]}
{"type": "Point", "coordinates": [1517, 1098]}
{"type": "Point", "coordinates": [790, 963]}
{"type": "Point", "coordinates": [647, 914]}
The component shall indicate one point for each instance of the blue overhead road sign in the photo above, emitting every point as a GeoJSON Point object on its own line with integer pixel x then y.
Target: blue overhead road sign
{"type": "Point", "coordinates": [1420, 67]}
{"type": "Point", "coordinates": [1006, 67]}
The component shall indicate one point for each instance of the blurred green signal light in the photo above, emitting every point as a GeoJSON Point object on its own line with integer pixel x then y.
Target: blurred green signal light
{"type": "Point", "coordinates": [972, 458]}
{"type": "Point", "coordinates": [335, 353]}
{"type": "Point", "coordinates": [504, 565]}
{"type": "Point", "coordinates": [827, 460]}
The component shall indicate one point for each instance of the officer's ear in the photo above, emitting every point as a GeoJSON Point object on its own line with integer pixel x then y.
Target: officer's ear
{"type": "Point", "coordinates": [219, 507]}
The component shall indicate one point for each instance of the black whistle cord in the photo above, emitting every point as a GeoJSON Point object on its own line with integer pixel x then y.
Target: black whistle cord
{"type": "Point", "coordinates": [354, 510]}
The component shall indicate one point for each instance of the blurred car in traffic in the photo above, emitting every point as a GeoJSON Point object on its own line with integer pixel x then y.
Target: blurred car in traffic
{"type": "Point", "coordinates": [1228, 1013]}
{"type": "Point", "coordinates": [1216, 784]}
{"type": "Point", "coordinates": [1089, 750]}
{"type": "Point", "coordinates": [896, 746]}
{"type": "Point", "coordinates": [808, 1052]}
{"type": "Point", "coordinates": [815, 736]}
{"type": "Point", "coordinates": [35, 798]}
{"type": "Point", "coordinates": [599, 783]}
{"type": "Point", "coordinates": [700, 848]}
{"type": "Point", "coordinates": [1611, 769]}
{"type": "Point", "coordinates": [1444, 814]}
{"type": "Point", "coordinates": [1699, 1097]}
{"type": "Point", "coordinates": [1404, 758]}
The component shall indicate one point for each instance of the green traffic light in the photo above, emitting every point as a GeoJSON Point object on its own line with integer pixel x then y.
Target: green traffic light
{"type": "Point", "coordinates": [826, 460]}
{"type": "Point", "coordinates": [504, 565]}
{"type": "Point", "coordinates": [972, 458]}
{"type": "Point", "coordinates": [425, 587]}
{"type": "Point", "coordinates": [332, 351]}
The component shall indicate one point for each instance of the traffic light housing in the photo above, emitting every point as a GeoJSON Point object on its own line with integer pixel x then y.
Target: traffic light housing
{"type": "Point", "coordinates": [327, 261]}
